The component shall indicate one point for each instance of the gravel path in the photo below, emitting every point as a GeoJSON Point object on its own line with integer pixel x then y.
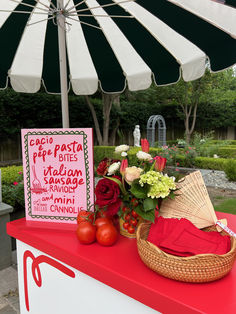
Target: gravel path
{"type": "Point", "coordinates": [217, 179]}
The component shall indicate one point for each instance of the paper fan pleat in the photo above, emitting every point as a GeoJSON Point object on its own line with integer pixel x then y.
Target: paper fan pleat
{"type": "Point", "coordinates": [192, 202]}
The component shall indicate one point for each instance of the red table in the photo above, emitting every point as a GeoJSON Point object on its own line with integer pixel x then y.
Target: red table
{"type": "Point", "coordinates": [120, 267]}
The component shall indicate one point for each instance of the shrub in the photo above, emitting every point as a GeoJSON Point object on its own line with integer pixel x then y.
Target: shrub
{"type": "Point", "coordinates": [204, 162]}
{"type": "Point", "coordinates": [210, 163]}
{"type": "Point", "coordinates": [225, 142]}
{"type": "Point", "coordinates": [10, 174]}
{"type": "Point", "coordinates": [227, 151]}
{"type": "Point", "coordinates": [169, 143]}
{"type": "Point", "coordinates": [230, 170]}
{"type": "Point", "coordinates": [101, 152]}
{"type": "Point", "coordinates": [13, 187]}
{"type": "Point", "coordinates": [14, 195]}
{"type": "Point", "coordinates": [170, 154]}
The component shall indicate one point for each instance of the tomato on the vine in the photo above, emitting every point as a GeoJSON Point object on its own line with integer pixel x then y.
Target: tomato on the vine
{"type": "Point", "coordinates": [133, 222]}
{"type": "Point", "coordinates": [102, 221]}
{"type": "Point", "coordinates": [134, 201]}
{"type": "Point", "coordinates": [124, 209]}
{"type": "Point", "coordinates": [86, 232]}
{"type": "Point", "coordinates": [127, 217]}
{"type": "Point", "coordinates": [134, 214]}
{"type": "Point", "coordinates": [85, 215]}
{"type": "Point", "coordinates": [126, 225]}
{"type": "Point", "coordinates": [131, 229]}
{"type": "Point", "coordinates": [106, 235]}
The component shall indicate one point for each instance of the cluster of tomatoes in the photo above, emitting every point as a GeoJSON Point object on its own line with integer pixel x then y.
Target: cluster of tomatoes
{"type": "Point", "coordinates": [131, 218]}
{"type": "Point", "coordinates": [91, 229]}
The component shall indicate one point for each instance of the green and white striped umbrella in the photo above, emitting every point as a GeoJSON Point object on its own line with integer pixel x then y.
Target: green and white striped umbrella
{"type": "Point", "coordinates": [111, 44]}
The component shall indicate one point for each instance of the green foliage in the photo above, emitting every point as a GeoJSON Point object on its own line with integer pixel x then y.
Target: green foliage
{"type": "Point", "coordinates": [230, 170]}
{"type": "Point", "coordinates": [170, 153]}
{"type": "Point", "coordinates": [227, 151]}
{"type": "Point", "coordinates": [19, 110]}
{"type": "Point", "coordinates": [170, 142]}
{"type": "Point", "coordinates": [138, 191]}
{"type": "Point", "coordinates": [11, 174]}
{"type": "Point", "coordinates": [204, 162]}
{"type": "Point", "coordinates": [100, 152]}
{"type": "Point", "coordinates": [210, 163]}
{"type": "Point", "coordinates": [13, 186]}
{"type": "Point", "coordinates": [225, 142]}
{"type": "Point", "coordinates": [14, 195]}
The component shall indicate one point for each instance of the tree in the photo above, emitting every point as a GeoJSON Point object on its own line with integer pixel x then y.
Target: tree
{"type": "Point", "coordinates": [212, 92]}
{"type": "Point", "coordinates": [188, 96]}
{"type": "Point", "coordinates": [107, 101]}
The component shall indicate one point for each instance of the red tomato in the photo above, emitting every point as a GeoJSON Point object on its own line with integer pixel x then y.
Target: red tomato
{"type": "Point", "coordinates": [134, 214]}
{"type": "Point", "coordinates": [127, 217]}
{"type": "Point", "coordinates": [85, 215]}
{"type": "Point", "coordinates": [102, 221]}
{"type": "Point", "coordinates": [106, 235]}
{"type": "Point", "coordinates": [125, 225]}
{"type": "Point", "coordinates": [134, 201]}
{"type": "Point", "coordinates": [131, 229]}
{"type": "Point", "coordinates": [133, 222]}
{"type": "Point", "coordinates": [86, 232]}
{"type": "Point", "coordinates": [125, 208]}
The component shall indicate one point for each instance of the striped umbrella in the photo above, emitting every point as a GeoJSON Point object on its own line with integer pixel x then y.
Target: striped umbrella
{"type": "Point", "coordinates": [111, 44]}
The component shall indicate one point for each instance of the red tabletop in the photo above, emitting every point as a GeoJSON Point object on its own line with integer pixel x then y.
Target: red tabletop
{"type": "Point", "coordinates": [120, 267]}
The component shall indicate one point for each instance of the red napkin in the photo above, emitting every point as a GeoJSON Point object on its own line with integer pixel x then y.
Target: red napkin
{"type": "Point", "coordinates": [180, 237]}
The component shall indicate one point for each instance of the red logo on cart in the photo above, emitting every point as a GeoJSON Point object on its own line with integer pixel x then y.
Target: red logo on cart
{"type": "Point", "coordinates": [36, 271]}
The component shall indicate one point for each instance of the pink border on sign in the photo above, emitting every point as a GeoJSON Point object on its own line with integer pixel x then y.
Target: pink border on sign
{"type": "Point", "coordinates": [58, 173]}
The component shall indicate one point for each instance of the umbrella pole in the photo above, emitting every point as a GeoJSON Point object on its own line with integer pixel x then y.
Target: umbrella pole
{"type": "Point", "coordinates": [63, 69]}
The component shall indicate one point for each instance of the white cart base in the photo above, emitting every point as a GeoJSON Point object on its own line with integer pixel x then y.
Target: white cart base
{"type": "Point", "coordinates": [61, 294]}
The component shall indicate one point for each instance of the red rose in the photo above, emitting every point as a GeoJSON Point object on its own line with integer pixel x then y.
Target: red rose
{"type": "Point", "coordinates": [103, 167]}
{"type": "Point", "coordinates": [107, 195]}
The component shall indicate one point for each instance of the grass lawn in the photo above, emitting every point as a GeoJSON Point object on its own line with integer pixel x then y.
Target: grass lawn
{"type": "Point", "coordinates": [227, 206]}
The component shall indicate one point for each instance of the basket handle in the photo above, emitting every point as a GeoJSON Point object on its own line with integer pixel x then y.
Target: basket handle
{"type": "Point", "coordinates": [226, 229]}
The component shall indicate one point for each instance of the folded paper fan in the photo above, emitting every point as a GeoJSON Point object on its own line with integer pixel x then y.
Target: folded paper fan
{"type": "Point", "coordinates": [191, 202]}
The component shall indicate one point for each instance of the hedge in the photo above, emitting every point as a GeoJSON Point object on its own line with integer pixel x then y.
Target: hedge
{"type": "Point", "coordinates": [227, 151]}
{"type": "Point", "coordinates": [226, 142]}
{"type": "Point", "coordinates": [211, 163]}
{"type": "Point", "coordinates": [206, 162]}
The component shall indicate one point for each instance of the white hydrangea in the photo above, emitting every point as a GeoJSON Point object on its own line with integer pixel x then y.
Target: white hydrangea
{"type": "Point", "coordinates": [122, 148]}
{"type": "Point", "coordinates": [113, 168]}
{"type": "Point", "coordinates": [124, 154]}
{"type": "Point", "coordinates": [143, 156]}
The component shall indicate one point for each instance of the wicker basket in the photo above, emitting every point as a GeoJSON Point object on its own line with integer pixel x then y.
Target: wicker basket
{"type": "Point", "coordinates": [125, 233]}
{"type": "Point", "coordinates": [198, 268]}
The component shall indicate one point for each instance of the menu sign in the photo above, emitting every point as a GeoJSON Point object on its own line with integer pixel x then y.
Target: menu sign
{"type": "Point", "coordinates": [58, 173]}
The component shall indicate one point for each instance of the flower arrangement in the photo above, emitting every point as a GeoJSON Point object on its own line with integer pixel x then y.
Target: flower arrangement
{"type": "Point", "coordinates": [133, 191]}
